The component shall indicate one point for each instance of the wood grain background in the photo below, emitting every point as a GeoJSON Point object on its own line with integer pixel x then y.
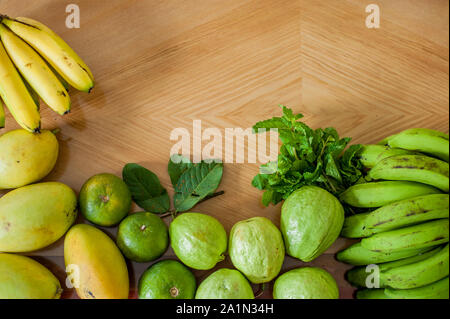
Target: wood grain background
{"type": "Point", "coordinates": [159, 65]}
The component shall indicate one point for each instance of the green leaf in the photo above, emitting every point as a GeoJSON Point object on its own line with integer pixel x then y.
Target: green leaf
{"type": "Point", "coordinates": [178, 164]}
{"type": "Point", "coordinates": [267, 197]}
{"type": "Point", "coordinates": [197, 182]}
{"type": "Point", "coordinates": [146, 189]}
{"type": "Point", "coordinates": [276, 122]}
{"type": "Point", "coordinates": [259, 181]}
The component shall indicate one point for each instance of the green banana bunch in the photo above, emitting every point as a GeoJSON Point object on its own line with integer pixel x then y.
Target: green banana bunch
{"type": "Point", "coordinates": [415, 168]}
{"type": "Point", "coordinates": [377, 194]}
{"type": "Point", "coordinates": [412, 272]}
{"type": "Point", "coordinates": [357, 255]}
{"type": "Point", "coordinates": [427, 234]}
{"type": "Point", "coordinates": [423, 140]}
{"type": "Point", "coordinates": [436, 290]}
{"type": "Point", "coordinates": [400, 214]}
{"type": "Point", "coordinates": [371, 154]}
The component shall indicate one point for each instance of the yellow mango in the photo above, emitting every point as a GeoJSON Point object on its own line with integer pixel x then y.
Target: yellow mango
{"type": "Point", "coordinates": [95, 264]}
{"type": "Point", "coordinates": [26, 157]}
{"type": "Point", "coordinates": [24, 278]}
{"type": "Point", "coordinates": [35, 216]}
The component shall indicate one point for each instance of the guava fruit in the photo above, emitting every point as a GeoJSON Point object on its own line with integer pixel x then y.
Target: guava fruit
{"type": "Point", "coordinates": [257, 249]}
{"type": "Point", "coordinates": [225, 284]}
{"type": "Point", "coordinates": [311, 221]}
{"type": "Point", "coordinates": [198, 240]}
{"type": "Point", "coordinates": [306, 283]}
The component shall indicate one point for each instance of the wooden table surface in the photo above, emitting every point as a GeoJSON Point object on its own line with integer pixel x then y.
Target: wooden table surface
{"type": "Point", "coordinates": [160, 64]}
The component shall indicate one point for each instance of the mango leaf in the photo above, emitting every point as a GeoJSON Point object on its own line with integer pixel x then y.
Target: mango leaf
{"type": "Point", "coordinates": [146, 189]}
{"type": "Point", "coordinates": [196, 183]}
{"type": "Point", "coordinates": [178, 164]}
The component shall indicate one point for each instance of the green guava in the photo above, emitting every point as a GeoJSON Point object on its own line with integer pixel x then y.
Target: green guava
{"type": "Point", "coordinates": [311, 221]}
{"type": "Point", "coordinates": [198, 240]}
{"type": "Point", "coordinates": [225, 284]}
{"type": "Point", "coordinates": [306, 283]}
{"type": "Point", "coordinates": [257, 249]}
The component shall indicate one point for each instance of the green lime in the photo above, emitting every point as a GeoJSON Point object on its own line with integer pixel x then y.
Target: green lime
{"type": "Point", "coordinates": [225, 284]}
{"type": "Point", "coordinates": [142, 237]}
{"type": "Point", "coordinates": [306, 283]}
{"type": "Point", "coordinates": [167, 279]}
{"type": "Point", "coordinates": [198, 240]}
{"type": "Point", "coordinates": [105, 200]}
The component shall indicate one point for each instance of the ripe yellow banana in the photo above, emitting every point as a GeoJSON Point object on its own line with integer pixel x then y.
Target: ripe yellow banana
{"type": "Point", "coordinates": [36, 72]}
{"type": "Point", "coordinates": [428, 234]}
{"type": "Point", "coordinates": [415, 168]}
{"type": "Point", "coordinates": [15, 95]}
{"type": "Point", "coordinates": [2, 115]}
{"type": "Point", "coordinates": [377, 194]}
{"type": "Point", "coordinates": [371, 154]}
{"type": "Point", "coordinates": [423, 140]}
{"type": "Point", "coordinates": [57, 52]}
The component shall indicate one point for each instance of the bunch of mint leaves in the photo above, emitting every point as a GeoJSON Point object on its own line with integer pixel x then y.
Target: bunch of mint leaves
{"type": "Point", "coordinates": [307, 157]}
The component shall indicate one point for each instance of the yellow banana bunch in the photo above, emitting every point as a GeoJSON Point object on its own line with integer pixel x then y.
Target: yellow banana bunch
{"type": "Point", "coordinates": [16, 95]}
{"type": "Point", "coordinates": [35, 63]}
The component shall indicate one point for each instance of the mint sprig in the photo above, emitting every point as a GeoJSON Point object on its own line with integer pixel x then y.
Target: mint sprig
{"type": "Point", "coordinates": [307, 157]}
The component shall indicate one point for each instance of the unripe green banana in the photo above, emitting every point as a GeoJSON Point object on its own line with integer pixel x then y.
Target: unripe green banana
{"type": "Point", "coordinates": [355, 226]}
{"type": "Point", "coordinates": [423, 140]}
{"type": "Point", "coordinates": [414, 168]}
{"type": "Point", "coordinates": [371, 294]}
{"type": "Point", "coordinates": [427, 234]}
{"type": "Point", "coordinates": [371, 154]}
{"type": "Point", "coordinates": [358, 275]}
{"type": "Point", "coordinates": [357, 255]}
{"type": "Point", "coordinates": [377, 194]}
{"type": "Point", "coordinates": [418, 274]}
{"type": "Point", "coordinates": [406, 213]}
{"type": "Point", "coordinates": [436, 290]}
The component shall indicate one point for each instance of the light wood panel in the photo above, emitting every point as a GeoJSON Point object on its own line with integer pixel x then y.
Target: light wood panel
{"type": "Point", "coordinates": [160, 65]}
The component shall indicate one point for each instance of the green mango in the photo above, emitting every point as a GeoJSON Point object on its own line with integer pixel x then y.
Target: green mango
{"type": "Point", "coordinates": [225, 284]}
{"type": "Point", "coordinates": [26, 157]}
{"type": "Point", "coordinates": [256, 248]}
{"type": "Point", "coordinates": [311, 221]}
{"type": "Point", "coordinates": [24, 278]}
{"type": "Point", "coordinates": [306, 283]}
{"type": "Point", "coordinates": [35, 216]}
